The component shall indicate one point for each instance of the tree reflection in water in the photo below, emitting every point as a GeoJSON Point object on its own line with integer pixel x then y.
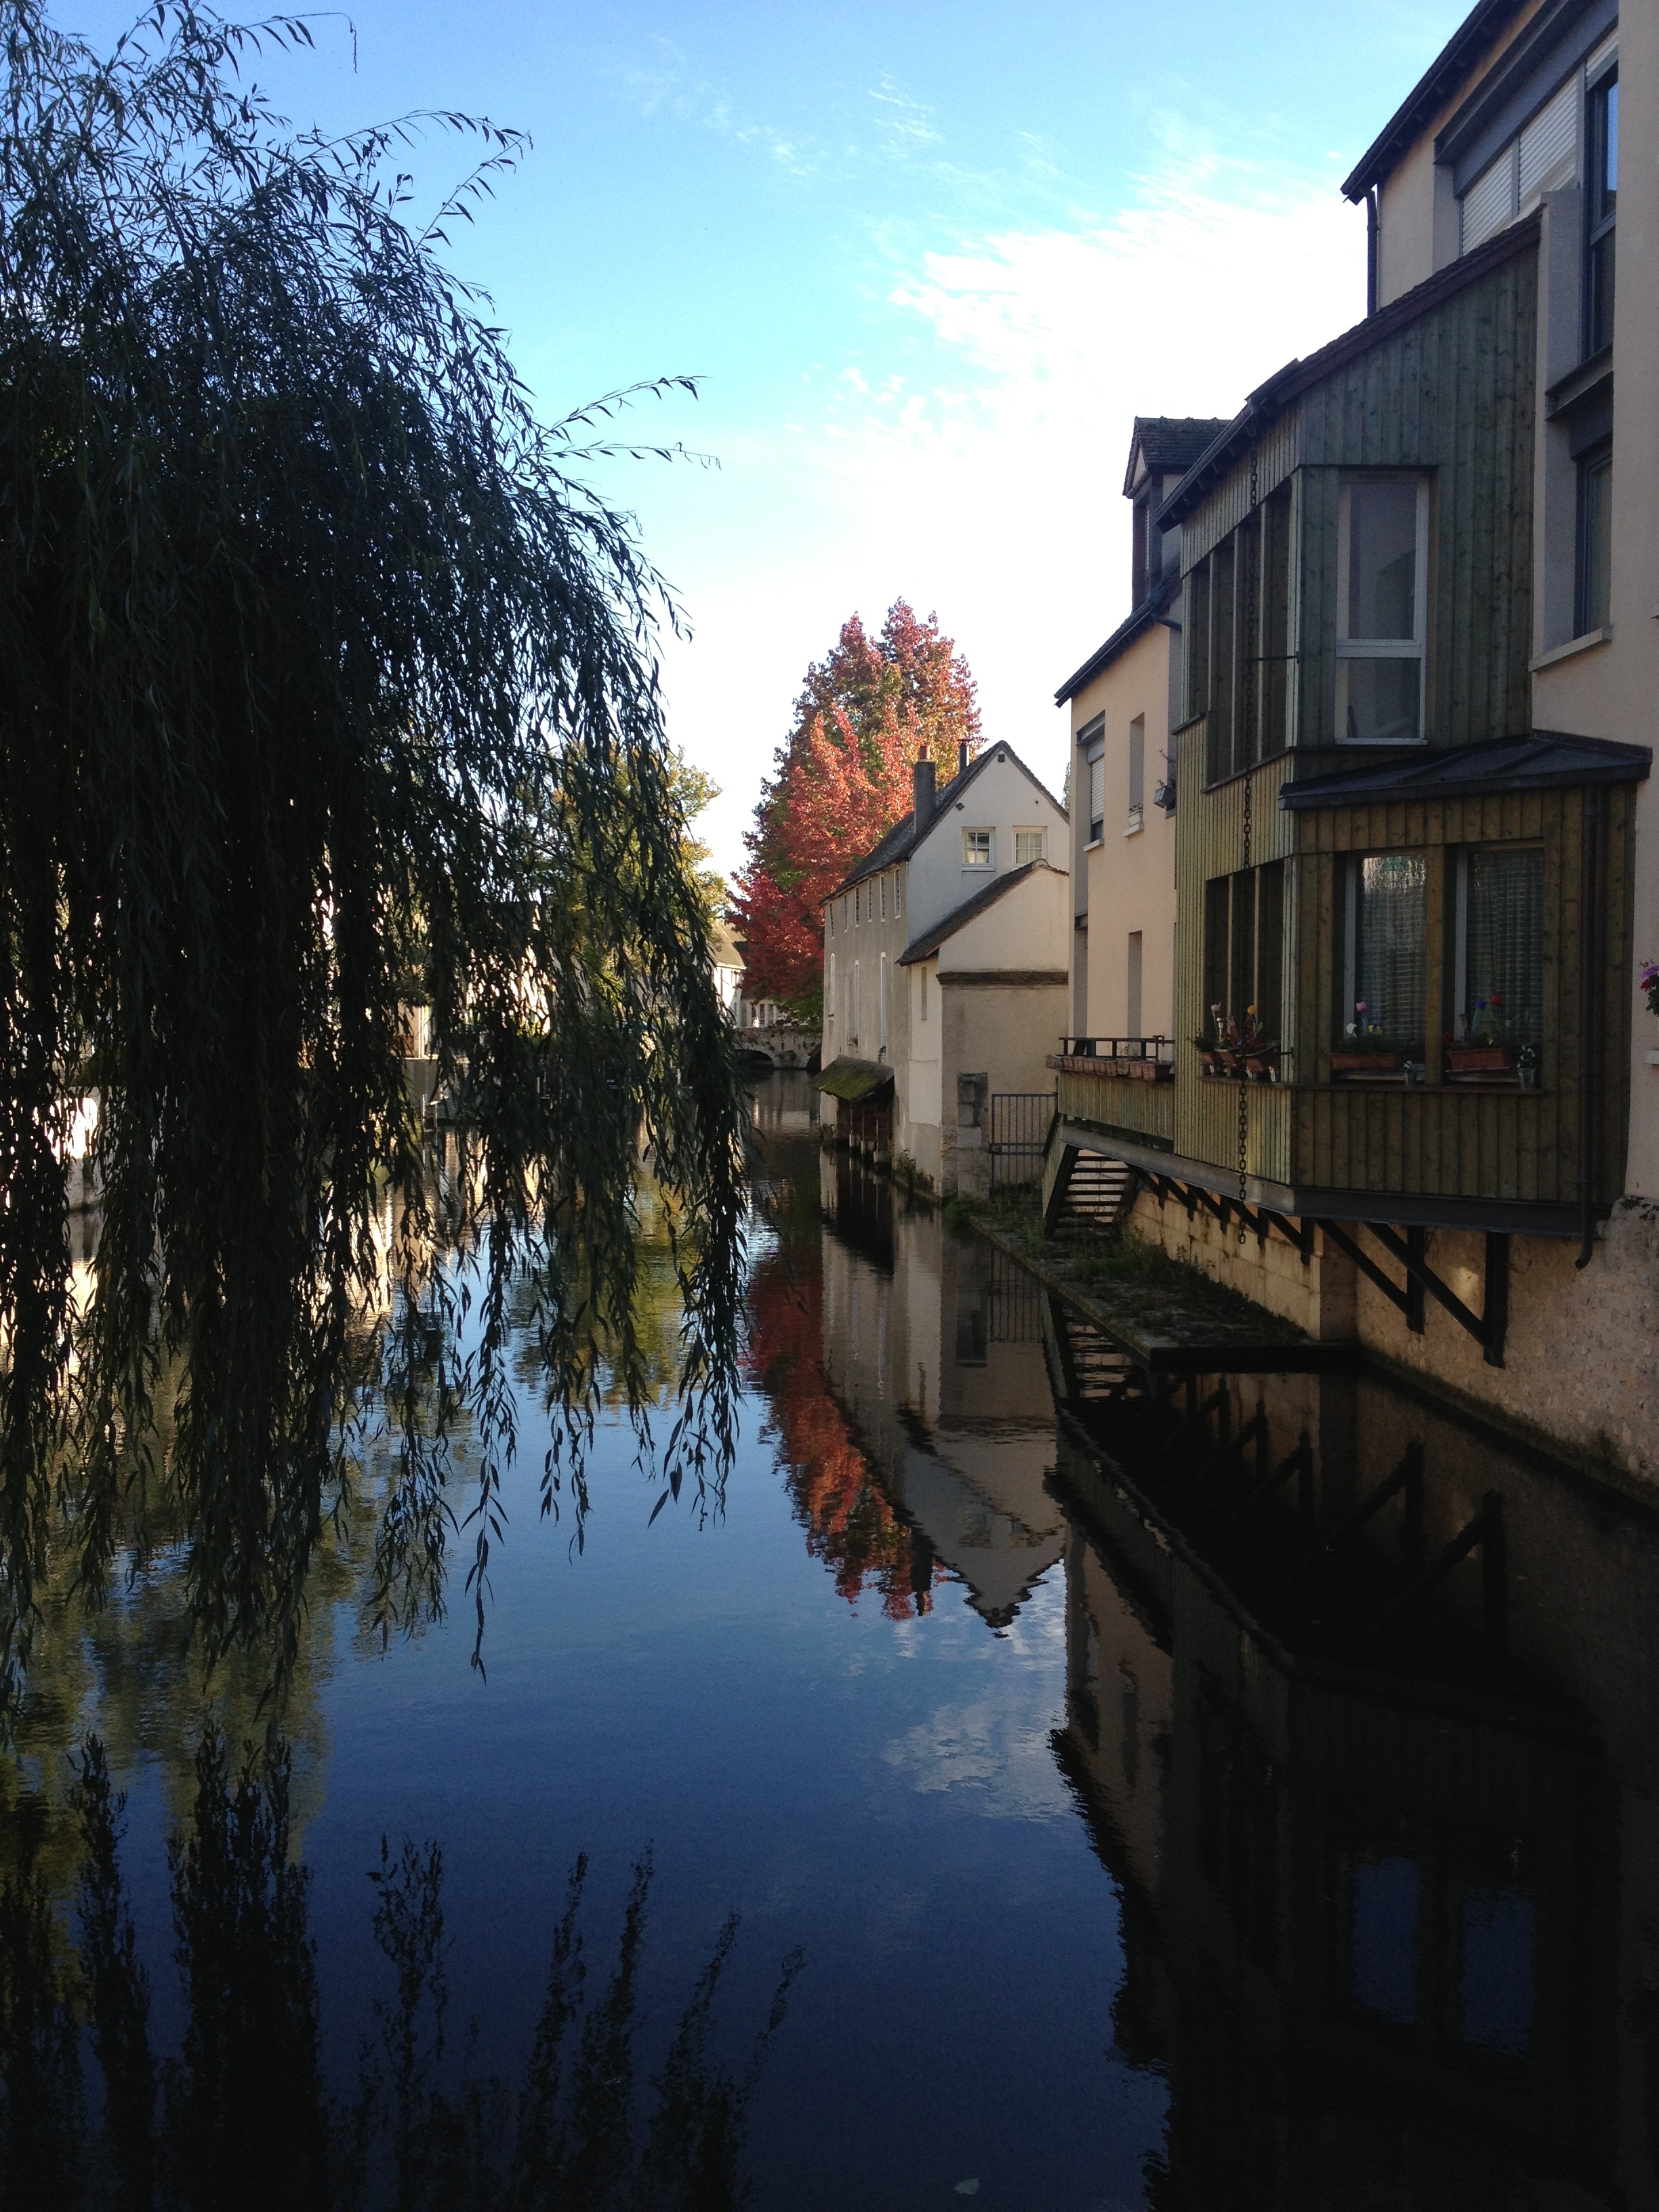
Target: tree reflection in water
{"type": "Point", "coordinates": [241, 2115]}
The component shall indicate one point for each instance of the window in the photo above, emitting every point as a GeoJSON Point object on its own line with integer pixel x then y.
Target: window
{"type": "Point", "coordinates": [884, 898]}
{"type": "Point", "coordinates": [843, 909]}
{"type": "Point", "coordinates": [1382, 546]}
{"type": "Point", "coordinates": [897, 879]}
{"type": "Point", "coordinates": [1500, 942]}
{"type": "Point", "coordinates": [1595, 563]}
{"type": "Point", "coordinates": [921, 979]}
{"type": "Point", "coordinates": [977, 849]}
{"type": "Point", "coordinates": [1133, 1018]}
{"type": "Point", "coordinates": [1029, 846]}
{"type": "Point", "coordinates": [854, 1026]}
{"type": "Point", "coordinates": [1244, 944]}
{"type": "Point", "coordinates": [1601, 209]}
{"type": "Point", "coordinates": [884, 1002]}
{"type": "Point", "coordinates": [832, 986]}
{"type": "Point", "coordinates": [1137, 773]}
{"type": "Point", "coordinates": [1387, 952]}
{"type": "Point", "coordinates": [858, 900]}
{"type": "Point", "coordinates": [1097, 795]}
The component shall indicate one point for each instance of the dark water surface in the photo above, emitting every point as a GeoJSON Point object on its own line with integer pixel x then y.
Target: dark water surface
{"type": "Point", "coordinates": [1137, 1850]}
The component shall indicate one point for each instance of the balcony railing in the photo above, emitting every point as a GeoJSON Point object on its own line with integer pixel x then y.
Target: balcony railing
{"type": "Point", "coordinates": [1134, 1059]}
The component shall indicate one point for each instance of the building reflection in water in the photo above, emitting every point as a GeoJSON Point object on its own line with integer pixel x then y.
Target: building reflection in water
{"type": "Point", "coordinates": [911, 1403]}
{"type": "Point", "coordinates": [1362, 1709]}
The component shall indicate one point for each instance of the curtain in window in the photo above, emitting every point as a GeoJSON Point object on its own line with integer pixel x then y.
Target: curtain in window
{"type": "Point", "coordinates": [1390, 946]}
{"type": "Point", "coordinates": [1504, 952]}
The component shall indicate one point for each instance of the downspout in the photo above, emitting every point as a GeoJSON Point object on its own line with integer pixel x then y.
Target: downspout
{"type": "Point", "coordinates": [1589, 1031]}
{"type": "Point", "coordinates": [1371, 242]}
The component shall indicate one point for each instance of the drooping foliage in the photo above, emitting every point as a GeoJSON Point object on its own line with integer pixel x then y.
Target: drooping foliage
{"type": "Point", "coordinates": [840, 782]}
{"type": "Point", "coordinates": [327, 690]}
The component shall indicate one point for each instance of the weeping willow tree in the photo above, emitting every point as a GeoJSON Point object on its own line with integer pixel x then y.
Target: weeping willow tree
{"type": "Point", "coordinates": [325, 688]}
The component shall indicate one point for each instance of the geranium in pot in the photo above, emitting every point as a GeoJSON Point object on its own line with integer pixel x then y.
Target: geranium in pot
{"type": "Point", "coordinates": [1367, 1048]}
{"type": "Point", "coordinates": [1258, 1053]}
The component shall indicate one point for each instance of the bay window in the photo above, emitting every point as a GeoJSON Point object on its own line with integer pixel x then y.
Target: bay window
{"type": "Point", "coordinates": [1383, 546]}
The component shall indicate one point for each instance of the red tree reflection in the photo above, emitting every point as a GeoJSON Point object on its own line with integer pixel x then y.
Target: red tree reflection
{"type": "Point", "coordinates": [849, 1522]}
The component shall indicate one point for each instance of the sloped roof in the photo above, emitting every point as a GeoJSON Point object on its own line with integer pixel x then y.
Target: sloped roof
{"type": "Point", "coordinates": [724, 947]}
{"type": "Point", "coordinates": [903, 837]}
{"type": "Point", "coordinates": [1169, 442]}
{"type": "Point", "coordinates": [960, 916]}
{"type": "Point", "coordinates": [854, 1080]}
{"type": "Point", "coordinates": [1542, 760]}
{"type": "Point", "coordinates": [1450, 66]}
{"type": "Point", "coordinates": [1157, 602]}
{"type": "Point", "coordinates": [1269, 400]}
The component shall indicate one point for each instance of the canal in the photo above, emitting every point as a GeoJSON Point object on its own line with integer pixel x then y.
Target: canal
{"type": "Point", "coordinates": [1179, 1790]}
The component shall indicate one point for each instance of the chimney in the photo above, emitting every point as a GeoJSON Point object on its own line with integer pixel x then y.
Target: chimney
{"type": "Point", "coordinates": [962, 757]}
{"type": "Point", "coordinates": [921, 785]}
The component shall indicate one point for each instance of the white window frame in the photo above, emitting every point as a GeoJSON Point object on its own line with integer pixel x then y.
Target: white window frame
{"type": "Point", "coordinates": [1415, 647]}
{"type": "Point", "coordinates": [1031, 830]}
{"type": "Point", "coordinates": [853, 1032]}
{"type": "Point", "coordinates": [884, 1002]}
{"type": "Point", "coordinates": [988, 866]}
{"type": "Point", "coordinates": [832, 986]}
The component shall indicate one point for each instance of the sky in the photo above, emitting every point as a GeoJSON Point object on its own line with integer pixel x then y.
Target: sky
{"type": "Point", "coordinates": [929, 262]}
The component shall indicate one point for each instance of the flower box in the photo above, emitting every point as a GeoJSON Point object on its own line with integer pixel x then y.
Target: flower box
{"type": "Point", "coordinates": [1367, 1063]}
{"type": "Point", "coordinates": [1480, 1059]}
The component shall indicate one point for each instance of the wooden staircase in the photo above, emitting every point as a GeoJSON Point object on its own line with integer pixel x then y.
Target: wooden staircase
{"type": "Point", "coordinates": [1086, 1190]}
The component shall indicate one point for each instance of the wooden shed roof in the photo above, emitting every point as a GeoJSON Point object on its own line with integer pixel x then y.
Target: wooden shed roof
{"type": "Point", "coordinates": [1542, 760]}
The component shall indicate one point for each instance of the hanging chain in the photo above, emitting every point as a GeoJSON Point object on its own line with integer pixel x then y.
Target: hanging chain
{"type": "Point", "coordinates": [1243, 1152]}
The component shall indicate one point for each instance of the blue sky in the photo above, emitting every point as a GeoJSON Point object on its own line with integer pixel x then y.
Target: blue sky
{"type": "Point", "coordinates": [930, 260]}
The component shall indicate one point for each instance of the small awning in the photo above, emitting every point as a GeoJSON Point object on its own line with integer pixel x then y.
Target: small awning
{"type": "Point", "coordinates": [855, 1080]}
{"type": "Point", "coordinates": [1543, 760]}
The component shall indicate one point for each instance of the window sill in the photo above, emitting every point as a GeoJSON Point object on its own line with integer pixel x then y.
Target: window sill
{"type": "Point", "coordinates": [1574, 645]}
{"type": "Point", "coordinates": [1136, 822]}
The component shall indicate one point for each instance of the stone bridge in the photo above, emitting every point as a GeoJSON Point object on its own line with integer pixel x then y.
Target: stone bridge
{"type": "Point", "coordinates": [782, 1044]}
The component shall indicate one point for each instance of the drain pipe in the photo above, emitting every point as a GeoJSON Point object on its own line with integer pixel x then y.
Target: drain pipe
{"type": "Point", "coordinates": [1589, 1031]}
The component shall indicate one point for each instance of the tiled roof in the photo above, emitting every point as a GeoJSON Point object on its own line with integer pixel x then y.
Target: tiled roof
{"type": "Point", "coordinates": [1170, 441]}
{"type": "Point", "coordinates": [1539, 761]}
{"type": "Point", "coordinates": [854, 1080]}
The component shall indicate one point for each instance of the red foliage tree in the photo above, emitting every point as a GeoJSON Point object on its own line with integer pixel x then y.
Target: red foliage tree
{"type": "Point", "coordinates": [840, 782]}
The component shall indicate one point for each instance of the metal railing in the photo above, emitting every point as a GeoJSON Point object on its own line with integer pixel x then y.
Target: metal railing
{"type": "Point", "coordinates": [1159, 1049]}
{"type": "Point", "coordinates": [1020, 1122]}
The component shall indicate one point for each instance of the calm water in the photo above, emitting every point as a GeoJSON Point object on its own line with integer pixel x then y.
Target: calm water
{"type": "Point", "coordinates": [1136, 1850]}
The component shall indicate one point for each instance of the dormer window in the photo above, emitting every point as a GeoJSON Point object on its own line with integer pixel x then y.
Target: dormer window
{"type": "Point", "coordinates": [1382, 546]}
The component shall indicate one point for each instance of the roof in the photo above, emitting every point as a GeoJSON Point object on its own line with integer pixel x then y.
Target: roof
{"type": "Point", "coordinates": [1169, 442]}
{"type": "Point", "coordinates": [854, 1080]}
{"type": "Point", "coordinates": [1542, 760]}
{"type": "Point", "coordinates": [724, 948]}
{"type": "Point", "coordinates": [902, 839]}
{"type": "Point", "coordinates": [1156, 604]}
{"type": "Point", "coordinates": [1460, 55]}
{"type": "Point", "coordinates": [1269, 400]}
{"type": "Point", "coordinates": [960, 916]}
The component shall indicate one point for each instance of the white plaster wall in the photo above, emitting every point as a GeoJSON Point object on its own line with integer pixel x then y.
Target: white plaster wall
{"type": "Point", "coordinates": [1126, 882]}
{"type": "Point", "coordinates": [1026, 930]}
{"type": "Point", "coordinates": [1002, 798]}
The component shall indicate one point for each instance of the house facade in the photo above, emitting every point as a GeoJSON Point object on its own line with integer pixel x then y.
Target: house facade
{"type": "Point", "coordinates": [945, 968]}
{"type": "Point", "coordinates": [1125, 706]}
{"type": "Point", "coordinates": [1420, 651]}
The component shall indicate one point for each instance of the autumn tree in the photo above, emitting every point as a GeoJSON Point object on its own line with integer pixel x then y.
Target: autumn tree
{"type": "Point", "coordinates": [840, 782]}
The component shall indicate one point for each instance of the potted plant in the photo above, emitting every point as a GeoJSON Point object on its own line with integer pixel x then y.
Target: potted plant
{"type": "Point", "coordinates": [1526, 1067]}
{"type": "Point", "coordinates": [1214, 1045]}
{"type": "Point", "coordinates": [1490, 1045]}
{"type": "Point", "coordinates": [1651, 985]}
{"type": "Point", "coordinates": [1367, 1048]}
{"type": "Point", "coordinates": [1258, 1053]}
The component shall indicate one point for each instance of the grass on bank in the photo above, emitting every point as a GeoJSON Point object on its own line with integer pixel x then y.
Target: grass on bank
{"type": "Point", "coordinates": [1135, 1284]}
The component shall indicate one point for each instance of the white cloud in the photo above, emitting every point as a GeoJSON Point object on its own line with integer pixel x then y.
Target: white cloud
{"type": "Point", "coordinates": [972, 457]}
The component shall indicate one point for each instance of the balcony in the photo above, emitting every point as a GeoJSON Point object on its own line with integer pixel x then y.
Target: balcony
{"type": "Point", "coordinates": [1123, 1086]}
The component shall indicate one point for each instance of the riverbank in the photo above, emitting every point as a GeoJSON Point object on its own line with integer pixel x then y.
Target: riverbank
{"type": "Point", "coordinates": [1165, 1315]}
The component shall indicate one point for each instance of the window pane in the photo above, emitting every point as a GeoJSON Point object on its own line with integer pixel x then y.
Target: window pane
{"type": "Point", "coordinates": [1495, 1987]}
{"type": "Point", "coordinates": [1097, 796]}
{"type": "Point", "coordinates": [1381, 560]}
{"type": "Point", "coordinates": [1505, 956]}
{"type": "Point", "coordinates": [1594, 542]}
{"type": "Point", "coordinates": [975, 849]}
{"type": "Point", "coordinates": [1386, 1902]}
{"type": "Point", "coordinates": [1390, 941]}
{"type": "Point", "coordinates": [1382, 701]}
{"type": "Point", "coordinates": [1028, 846]}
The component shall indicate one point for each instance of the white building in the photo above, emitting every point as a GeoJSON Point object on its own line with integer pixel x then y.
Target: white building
{"type": "Point", "coordinates": [944, 967]}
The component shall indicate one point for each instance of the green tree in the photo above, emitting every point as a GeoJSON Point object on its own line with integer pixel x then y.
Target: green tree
{"type": "Point", "coordinates": [324, 684]}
